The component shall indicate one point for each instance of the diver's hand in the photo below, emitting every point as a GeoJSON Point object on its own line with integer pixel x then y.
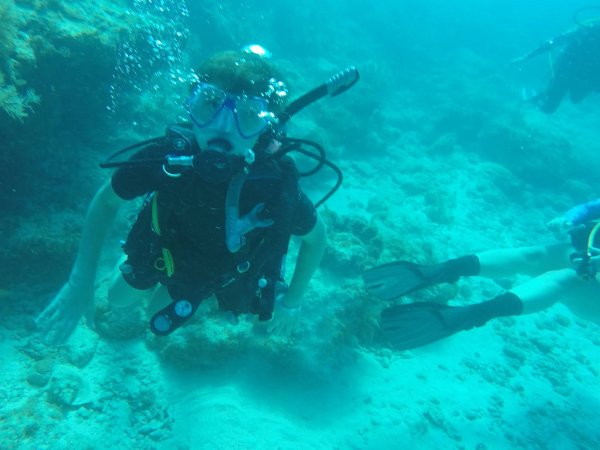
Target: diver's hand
{"type": "Point", "coordinates": [559, 224]}
{"type": "Point", "coordinates": [58, 320]}
{"type": "Point", "coordinates": [285, 319]}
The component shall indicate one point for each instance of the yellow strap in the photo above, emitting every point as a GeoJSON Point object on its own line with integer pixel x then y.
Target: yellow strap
{"type": "Point", "coordinates": [165, 263]}
{"type": "Point", "coordinates": [169, 263]}
{"type": "Point", "coordinates": [591, 237]}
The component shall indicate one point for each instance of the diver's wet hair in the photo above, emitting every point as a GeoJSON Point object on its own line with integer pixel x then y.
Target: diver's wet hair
{"type": "Point", "coordinates": [245, 73]}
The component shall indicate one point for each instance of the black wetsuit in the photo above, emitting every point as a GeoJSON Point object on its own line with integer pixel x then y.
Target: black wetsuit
{"type": "Point", "coordinates": [577, 70]}
{"type": "Point", "coordinates": [191, 214]}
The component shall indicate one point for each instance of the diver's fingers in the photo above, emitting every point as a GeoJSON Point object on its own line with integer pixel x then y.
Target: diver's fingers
{"type": "Point", "coordinates": [42, 317]}
{"type": "Point", "coordinates": [60, 332]}
{"type": "Point", "coordinates": [90, 317]}
{"type": "Point", "coordinates": [278, 327]}
{"type": "Point", "coordinates": [284, 329]}
{"type": "Point", "coordinates": [52, 326]}
{"type": "Point", "coordinates": [43, 322]}
{"type": "Point", "coordinates": [289, 329]}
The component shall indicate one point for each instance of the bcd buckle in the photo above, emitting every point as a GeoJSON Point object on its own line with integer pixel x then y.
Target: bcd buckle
{"type": "Point", "coordinates": [243, 267]}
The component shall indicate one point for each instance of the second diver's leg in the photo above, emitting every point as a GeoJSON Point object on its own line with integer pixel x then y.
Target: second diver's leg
{"type": "Point", "coordinates": [532, 260]}
{"type": "Point", "coordinates": [532, 296]}
{"type": "Point", "coordinates": [543, 291]}
{"type": "Point", "coordinates": [582, 297]}
{"type": "Point", "coordinates": [536, 295]}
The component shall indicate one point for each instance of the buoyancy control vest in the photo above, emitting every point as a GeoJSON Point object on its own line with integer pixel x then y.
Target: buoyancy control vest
{"type": "Point", "coordinates": [178, 238]}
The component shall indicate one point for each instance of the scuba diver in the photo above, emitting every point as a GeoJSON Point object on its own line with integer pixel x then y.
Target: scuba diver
{"type": "Point", "coordinates": [577, 69]}
{"type": "Point", "coordinates": [564, 272]}
{"type": "Point", "coordinates": [222, 200]}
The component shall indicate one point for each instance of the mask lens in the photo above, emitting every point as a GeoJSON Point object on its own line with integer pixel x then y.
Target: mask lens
{"type": "Point", "coordinates": [251, 115]}
{"type": "Point", "coordinates": [205, 103]}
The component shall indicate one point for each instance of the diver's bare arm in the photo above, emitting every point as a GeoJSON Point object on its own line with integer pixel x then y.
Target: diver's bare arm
{"type": "Point", "coordinates": [76, 298]}
{"type": "Point", "coordinates": [309, 256]}
{"type": "Point", "coordinates": [99, 217]}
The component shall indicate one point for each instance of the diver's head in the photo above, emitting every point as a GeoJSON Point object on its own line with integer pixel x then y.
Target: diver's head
{"type": "Point", "coordinates": [235, 100]}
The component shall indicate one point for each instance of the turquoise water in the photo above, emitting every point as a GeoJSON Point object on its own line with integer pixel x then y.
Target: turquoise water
{"type": "Point", "coordinates": [441, 157]}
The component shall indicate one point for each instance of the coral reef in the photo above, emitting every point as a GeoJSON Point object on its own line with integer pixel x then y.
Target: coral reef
{"type": "Point", "coordinates": [354, 244]}
{"type": "Point", "coordinates": [118, 323]}
{"type": "Point", "coordinates": [81, 347]}
{"type": "Point", "coordinates": [58, 63]}
{"type": "Point", "coordinates": [357, 320]}
{"type": "Point", "coordinates": [39, 249]}
{"type": "Point", "coordinates": [68, 387]}
{"type": "Point", "coordinates": [15, 105]}
{"type": "Point", "coordinates": [16, 100]}
{"type": "Point", "coordinates": [8, 16]}
{"type": "Point", "coordinates": [211, 338]}
{"type": "Point", "coordinates": [27, 421]}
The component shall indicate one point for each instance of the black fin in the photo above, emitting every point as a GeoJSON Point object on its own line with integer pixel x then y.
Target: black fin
{"type": "Point", "coordinates": [417, 324]}
{"type": "Point", "coordinates": [393, 280]}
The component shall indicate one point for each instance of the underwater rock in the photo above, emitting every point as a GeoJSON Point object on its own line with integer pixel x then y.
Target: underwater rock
{"type": "Point", "coordinates": [68, 387]}
{"type": "Point", "coordinates": [42, 370]}
{"type": "Point", "coordinates": [417, 426]}
{"type": "Point", "coordinates": [120, 323]}
{"type": "Point", "coordinates": [81, 347]}
{"type": "Point", "coordinates": [208, 339]}
{"type": "Point", "coordinates": [544, 344]}
{"type": "Point", "coordinates": [49, 244]}
{"type": "Point", "coordinates": [37, 350]}
{"type": "Point", "coordinates": [355, 321]}
{"type": "Point", "coordinates": [36, 379]}
{"type": "Point", "coordinates": [562, 320]}
{"type": "Point", "coordinates": [515, 353]}
{"type": "Point", "coordinates": [204, 343]}
{"type": "Point", "coordinates": [62, 65]}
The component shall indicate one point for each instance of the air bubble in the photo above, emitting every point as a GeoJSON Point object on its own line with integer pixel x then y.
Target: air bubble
{"type": "Point", "coordinates": [151, 48]}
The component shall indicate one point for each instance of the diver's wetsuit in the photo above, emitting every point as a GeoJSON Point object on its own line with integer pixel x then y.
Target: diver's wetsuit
{"type": "Point", "coordinates": [584, 212]}
{"type": "Point", "coordinates": [577, 70]}
{"type": "Point", "coordinates": [584, 217]}
{"type": "Point", "coordinates": [191, 217]}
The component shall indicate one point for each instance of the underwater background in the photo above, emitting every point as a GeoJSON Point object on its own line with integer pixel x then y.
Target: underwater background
{"type": "Point", "coordinates": [441, 157]}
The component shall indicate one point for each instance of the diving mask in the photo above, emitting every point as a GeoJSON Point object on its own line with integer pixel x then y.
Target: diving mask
{"type": "Point", "coordinates": [208, 105]}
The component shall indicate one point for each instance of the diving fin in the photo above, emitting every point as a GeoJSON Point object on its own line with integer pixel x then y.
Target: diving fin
{"type": "Point", "coordinates": [416, 324]}
{"type": "Point", "coordinates": [393, 280]}
{"type": "Point", "coordinates": [399, 278]}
